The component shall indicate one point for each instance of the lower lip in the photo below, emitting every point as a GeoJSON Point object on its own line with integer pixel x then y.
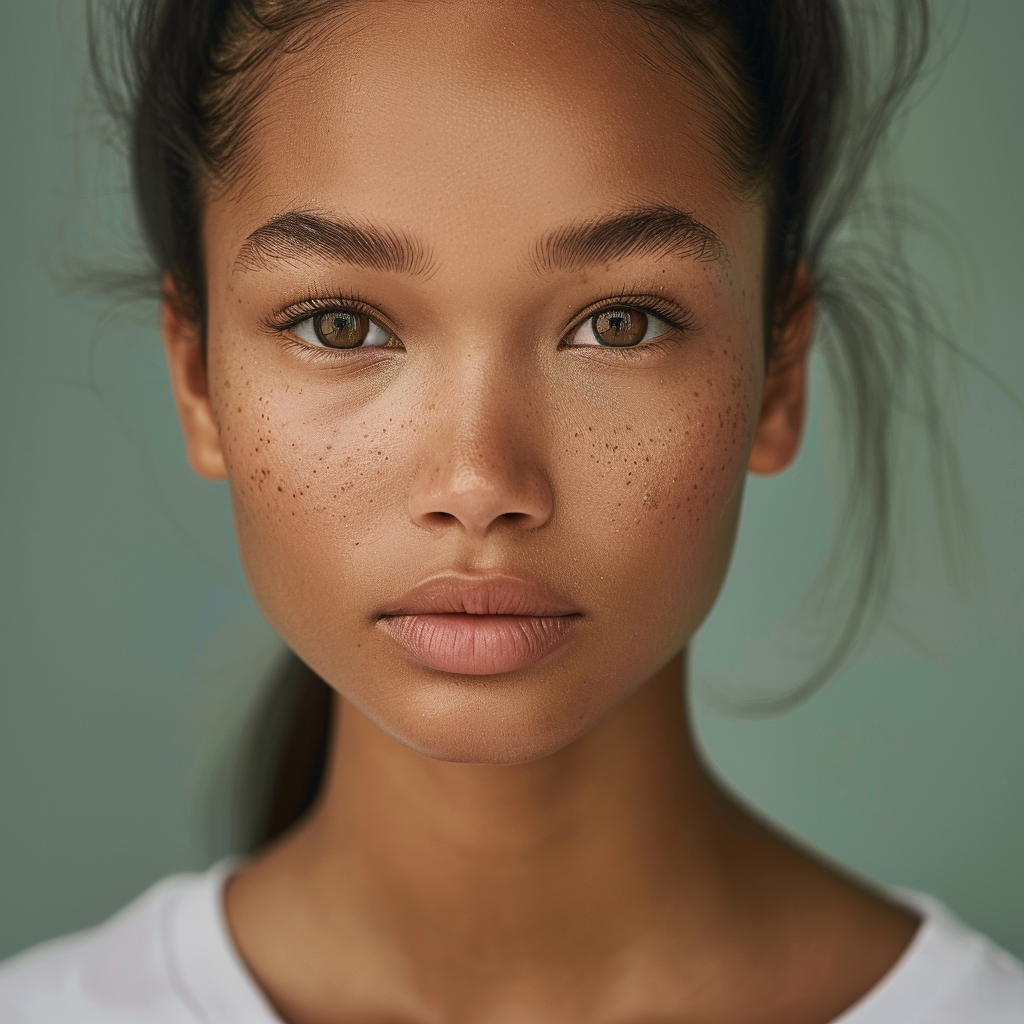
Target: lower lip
{"type": "Point", "coordinates": [478, 645]}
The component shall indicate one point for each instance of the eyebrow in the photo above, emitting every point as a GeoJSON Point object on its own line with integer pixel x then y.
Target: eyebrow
{"type": "Point", "coordinates": [646, 231]}
{"type": "Point", "coordinates": [654, 231]}
{"type": "Point", "coordinates": [310, 237]}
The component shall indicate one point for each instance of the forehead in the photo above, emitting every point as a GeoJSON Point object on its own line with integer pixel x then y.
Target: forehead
{"type": "Point", "coordinates": [434, 114]}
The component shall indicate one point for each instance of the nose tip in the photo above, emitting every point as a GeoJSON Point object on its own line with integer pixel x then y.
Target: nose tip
{"type": "Point", "coordinates": [480, 495]}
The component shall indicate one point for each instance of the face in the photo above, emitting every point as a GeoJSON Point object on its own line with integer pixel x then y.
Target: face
{"type": "Point", "coordinates": [485, 367]}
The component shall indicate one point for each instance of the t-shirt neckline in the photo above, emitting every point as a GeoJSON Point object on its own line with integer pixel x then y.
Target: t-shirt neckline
{"type": "Point", "coordinates": [215, 982]}
{"type": "Point", "coordinates": [206, 965]}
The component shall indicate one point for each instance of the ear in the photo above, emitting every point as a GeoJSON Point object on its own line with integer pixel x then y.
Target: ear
{"type": "Point", "coordinates": [186, 361]}
{"type": "Point", "coordinates": [784, 405]}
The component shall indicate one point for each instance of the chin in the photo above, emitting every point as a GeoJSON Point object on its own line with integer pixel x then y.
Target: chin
{"type": "Point", "coordinates": [498, 720]}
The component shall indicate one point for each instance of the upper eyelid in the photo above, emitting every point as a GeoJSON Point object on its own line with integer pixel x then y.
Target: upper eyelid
{"type": "Point", "coordinates": [676, 316]}
{"type": "Point", "coordinates": [298, 312]}
{"type": "Point", "coordinates": [305, 308]}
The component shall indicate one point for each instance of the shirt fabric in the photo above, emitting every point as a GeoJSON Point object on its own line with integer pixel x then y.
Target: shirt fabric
{"type": "Point", "coordinates": [168, 958]}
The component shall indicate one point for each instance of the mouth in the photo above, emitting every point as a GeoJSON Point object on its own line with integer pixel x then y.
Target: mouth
{"type": "Point", "coordinates": [479, 625]}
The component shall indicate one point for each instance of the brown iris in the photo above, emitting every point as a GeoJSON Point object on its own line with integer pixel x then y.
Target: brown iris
{"type": "Point", "coordinates": [620, 327]}
{"type": "Point", "coordinates": [341, 328]}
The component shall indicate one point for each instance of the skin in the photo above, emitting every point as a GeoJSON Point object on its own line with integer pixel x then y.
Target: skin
{"type": "Point", "coordinates": [542, 844]}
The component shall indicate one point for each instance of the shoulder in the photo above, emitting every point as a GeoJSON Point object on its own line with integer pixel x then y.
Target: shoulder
{"type": "Point", "coordinates": [116, 970]}
{"type": "Point", "coordinates": [145, 965]}
{"type": "Point", "coordinates": [950, 974]}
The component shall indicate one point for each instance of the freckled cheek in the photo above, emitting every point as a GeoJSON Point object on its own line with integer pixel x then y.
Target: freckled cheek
{"type": "Point", "coordinates": [663, 496]}
{"type": "Point", "coordinates": [309, 488]}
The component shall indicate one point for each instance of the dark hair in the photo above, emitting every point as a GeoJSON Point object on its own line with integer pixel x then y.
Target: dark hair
{"type": "Point", "coordinates": [283, 755]}
{"type": "Point", "coordinates": [802, 94]}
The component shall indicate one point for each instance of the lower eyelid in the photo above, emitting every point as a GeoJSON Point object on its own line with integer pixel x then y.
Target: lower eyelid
{"type": "Point", "coordinates": [326, 354]}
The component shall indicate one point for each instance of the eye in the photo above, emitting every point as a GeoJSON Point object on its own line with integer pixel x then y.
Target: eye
{"type": "Point", "coordinates": [621, 327]}
{"type": "Point", "coordinates": [342, 328]}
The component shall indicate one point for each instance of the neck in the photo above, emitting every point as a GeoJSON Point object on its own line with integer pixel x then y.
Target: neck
{"type": "Point", "coordinates": [540, 861]}
{"type": "Point", "coordinates": [609, 880]}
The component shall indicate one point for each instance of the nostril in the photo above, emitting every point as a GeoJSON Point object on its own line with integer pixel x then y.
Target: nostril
{"type": "Point", "coordinates": [440, 517]}
{"type": "Point", "coordinates": [444, 496]}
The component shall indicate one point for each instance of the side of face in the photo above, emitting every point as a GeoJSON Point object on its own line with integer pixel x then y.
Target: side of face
{"type": "Point", "coordinates": [488, 432]}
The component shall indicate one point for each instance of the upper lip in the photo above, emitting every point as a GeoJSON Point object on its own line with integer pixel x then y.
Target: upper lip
{"type": "Point", "coordinates": [493, 594]}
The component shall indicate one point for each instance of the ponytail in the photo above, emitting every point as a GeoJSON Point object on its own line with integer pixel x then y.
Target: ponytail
{"type": "Point", "coordinates": [284, 754]}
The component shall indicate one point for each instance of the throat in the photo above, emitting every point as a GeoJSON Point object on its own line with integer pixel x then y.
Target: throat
{"type": "Point", "coordinates": [484, 884]}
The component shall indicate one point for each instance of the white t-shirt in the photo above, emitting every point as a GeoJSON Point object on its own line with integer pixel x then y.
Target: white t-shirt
{"type": "Point", "coordinates": [168, 958]}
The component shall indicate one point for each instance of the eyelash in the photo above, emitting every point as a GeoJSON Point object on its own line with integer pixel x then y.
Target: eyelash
{"type": "Point", "coordinates": [680, 320]}
{"type": "Point", "coordinates": [294, 314]}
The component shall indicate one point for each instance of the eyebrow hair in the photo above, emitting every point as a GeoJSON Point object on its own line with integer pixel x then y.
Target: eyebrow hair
{"type": "Point", "coordinates": [305, 236]}
{"type": "Point", "coordinates": [655, 230]}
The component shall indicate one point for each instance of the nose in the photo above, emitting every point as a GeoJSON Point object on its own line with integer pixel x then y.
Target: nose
{"type": "Point", "coordinates": [481, 467]}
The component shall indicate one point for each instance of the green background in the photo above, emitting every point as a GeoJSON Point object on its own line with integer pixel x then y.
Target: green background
{"type": "Point", "coordinates": [129, 647]}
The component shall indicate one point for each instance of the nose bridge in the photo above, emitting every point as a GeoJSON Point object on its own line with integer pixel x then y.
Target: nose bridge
{"type": "Point", "coordinates": [482, 462]}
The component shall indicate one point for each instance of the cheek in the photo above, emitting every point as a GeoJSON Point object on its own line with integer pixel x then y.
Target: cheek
{"type": "Point", "coordinates": [311, 487]}
{"type": "Point", "coordinates": [661, 481]}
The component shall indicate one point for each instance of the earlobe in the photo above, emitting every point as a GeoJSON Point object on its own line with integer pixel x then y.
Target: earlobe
{"type": "Point", "coordinates": [186, 362]}
{"type": "Point", "coordinates": [784, 404]}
